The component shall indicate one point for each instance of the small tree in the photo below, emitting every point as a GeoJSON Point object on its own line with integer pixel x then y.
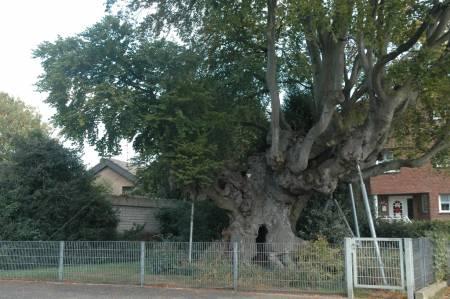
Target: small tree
{"type": "Point", "coordinates": [47, 194]}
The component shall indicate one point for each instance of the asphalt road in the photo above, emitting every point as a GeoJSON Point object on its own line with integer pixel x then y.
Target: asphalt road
{"type": "Point", "coordinates": [43, 290]}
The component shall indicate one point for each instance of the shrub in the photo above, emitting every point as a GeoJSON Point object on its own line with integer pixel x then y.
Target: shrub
{"type": "Point", "coordinates": [209, 221]}
{"type": "Point", "coordinates": [415, 229]}
{"type": "Point", "coordinates": [437, 231]}
{"type": "Point", "coordinates": [47, 194]}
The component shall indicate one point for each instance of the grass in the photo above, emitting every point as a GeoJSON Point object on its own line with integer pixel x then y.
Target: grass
{"type": "Point", "coordinates": [209, 273]}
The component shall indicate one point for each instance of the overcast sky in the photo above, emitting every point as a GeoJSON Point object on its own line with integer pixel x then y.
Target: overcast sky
{"type": "Point", "coordinates": [23, 26]}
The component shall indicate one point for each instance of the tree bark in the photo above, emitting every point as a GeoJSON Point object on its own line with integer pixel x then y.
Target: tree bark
{"type": "Point", "coordinates": [271, 82]}
{"type": "Point", "coordinates": [254, 198]}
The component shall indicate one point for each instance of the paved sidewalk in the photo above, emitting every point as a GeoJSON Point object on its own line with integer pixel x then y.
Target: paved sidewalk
{"type": "Point", "coordinates": [44, 290]}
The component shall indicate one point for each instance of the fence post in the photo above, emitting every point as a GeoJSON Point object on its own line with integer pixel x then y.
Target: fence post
{"type": "Point", "coordinates": [348, 267]}
{"type": "Point", "coordinates": [142, 263]}
{"type": "Point", "coordinates": [61, 261]}
{"type": "Point", "coordinates": [235, 265]}
{"type": "Point", "coordinates": [409, 267]}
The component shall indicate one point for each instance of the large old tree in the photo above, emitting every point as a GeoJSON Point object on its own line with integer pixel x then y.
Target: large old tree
{"type": "Point", "coordinates": [258, 104]}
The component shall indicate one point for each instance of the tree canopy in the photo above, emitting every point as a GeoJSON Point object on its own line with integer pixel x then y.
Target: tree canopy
{"type": "Point", "coordinates": [257, 104]}
{"type": "Point", "coordinates": [16, 119]}
{"type": "Point", "coordinates": [46, 194]}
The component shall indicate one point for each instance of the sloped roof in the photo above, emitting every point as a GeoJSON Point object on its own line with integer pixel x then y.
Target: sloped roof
{"type": "Point", "coordinates": [125, 165]}
{"type": "Point", "coordinates": [122, 168]}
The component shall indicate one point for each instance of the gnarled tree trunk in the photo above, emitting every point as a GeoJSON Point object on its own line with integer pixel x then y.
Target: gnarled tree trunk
{"type": "Point", "coordinates": [254, 199]}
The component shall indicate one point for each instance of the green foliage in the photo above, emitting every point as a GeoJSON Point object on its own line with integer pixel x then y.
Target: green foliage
{"type": "Point", "coordinates": [437, 231]}
{"type": "Point", "coordinates": [16, 119]}
{"type": "Point", "coordinates": [328, 264]}
{"type": "Point", "coordinates": [299, 111]}
{"type": "Point", "coordinates": [209, 221]}
{"type": "Point", "coordinates": [152, 92]}
{"type": "Point", "coordinates": [136, 233]}
{"type": "Point", "coordinates": [195, 107]}
{"type": "Point", "coordinates": [45, 192]}
{"type": "Point", "coordinates": [441, 243]}
{"type": "Point", "coordinates": [415, 229]}
{"type": "Point", "coordinates": [321, 219]}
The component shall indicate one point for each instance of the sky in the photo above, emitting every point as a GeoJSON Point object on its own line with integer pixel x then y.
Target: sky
{"type": "Point", "coordinates": [24, 24]}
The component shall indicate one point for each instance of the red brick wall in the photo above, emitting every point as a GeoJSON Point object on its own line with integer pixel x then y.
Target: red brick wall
{"type": "Point", "coordinates": [424, 179]}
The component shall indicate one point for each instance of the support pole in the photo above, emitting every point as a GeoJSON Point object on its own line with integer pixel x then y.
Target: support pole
{"type": "Point", "coordinates": [191, 232]}
{"type": "Point", "coordinates": [341, 213]}
{"type": "Point", "coordinates": [371, 225]}
{"type": "Point", "coordinates": [355, 216]}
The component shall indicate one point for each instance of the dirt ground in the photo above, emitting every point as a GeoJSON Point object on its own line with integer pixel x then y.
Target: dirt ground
{"type": "Point", "coordinates": [447, 294]}
{"type": "Point", "coordinates": [42, 290]}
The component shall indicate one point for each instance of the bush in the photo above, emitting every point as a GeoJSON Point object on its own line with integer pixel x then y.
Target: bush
{"type": "Point", "coordinates": [209, 221]}
{"type": "Point", "coordinates": [415, 229]}
{"type": "Point", "coordinates": [437, 231]}
{"type": "Point", "coordinates": [136, 233]}
{"type": "Point", "coordinates": [47, 194]}
{"type": "Point", "coordinates": [321, 219]}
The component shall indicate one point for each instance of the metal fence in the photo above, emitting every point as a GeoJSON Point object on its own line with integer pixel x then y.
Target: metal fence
{"type": "Point", "coordinates": [423, 262]}
{"type": "Point", "coordinates": [448, 263]}
{"type": "Point", "coordinates": [319, 267]}
{"type": "Point", "coordinates": [316, 267]}
{"type": "Point", "coordinates": [378, 263]}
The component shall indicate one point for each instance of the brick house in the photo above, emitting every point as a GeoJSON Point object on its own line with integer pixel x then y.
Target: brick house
{"type": "Point", "coordinates": [416, 193]}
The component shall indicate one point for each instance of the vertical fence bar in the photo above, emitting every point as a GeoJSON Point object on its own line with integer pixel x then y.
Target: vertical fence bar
{"type": "Point", "coordinates": [61, 261]}
{"type": "Point", "coordinates": [191, 232]}
{"type": "Point", "coordinates": [142, 265]}
{"type": "Point", "coordinates": [409, 268]}
{"type": "Point", "coordinates": [235, 265]}
{"type": "Point", "coordinates": [348, 267]}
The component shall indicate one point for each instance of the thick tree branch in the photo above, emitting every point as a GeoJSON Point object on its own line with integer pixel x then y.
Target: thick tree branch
{"type": "Point", "coordinates": [439, 146]}
{"type": "Point", "coordinates": [351, 81]}
{"type": "Point", "coordinates": [303, 149]}
{"type": "Point", "coordinates": [271, 81]}
{"type": "Point", "coordinates": [439, 29]}
{"type": "Point", "coordinates": [406, 46]}
{"type": "Point", "coordinates": [401, 48]}
{"type": "Point", "coordinates": [358, 93]}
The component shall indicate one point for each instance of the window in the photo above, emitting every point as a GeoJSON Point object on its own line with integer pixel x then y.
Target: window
{"type": "Point", "coordinates": [127, 189]}
{"type": "Point", "coordinates": [424, 203]}
{"type": "Point", "coordinates": [444, 203]}
{"type": "Point", "coordinates": [387, 156]}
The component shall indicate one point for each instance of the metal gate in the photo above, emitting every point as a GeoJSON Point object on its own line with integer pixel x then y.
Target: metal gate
{"type": "Point", "coordinates": [378, 263]}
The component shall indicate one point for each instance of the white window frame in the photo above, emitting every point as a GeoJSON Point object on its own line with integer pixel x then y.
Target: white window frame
{"type": "Point", "coordinates": [440, 203]}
